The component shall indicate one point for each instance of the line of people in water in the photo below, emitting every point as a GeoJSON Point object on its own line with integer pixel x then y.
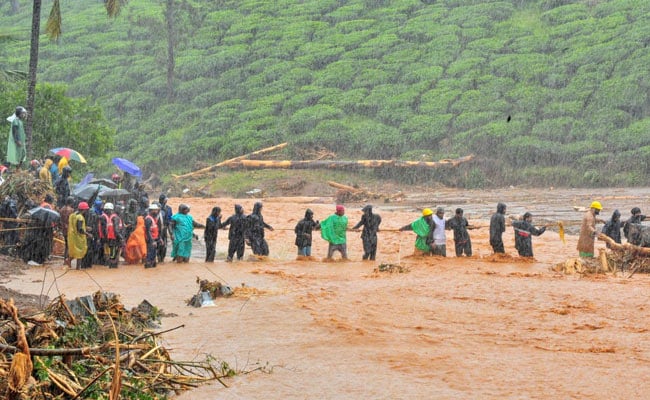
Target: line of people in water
{"type": "Point", "coordinates": [141, 232]}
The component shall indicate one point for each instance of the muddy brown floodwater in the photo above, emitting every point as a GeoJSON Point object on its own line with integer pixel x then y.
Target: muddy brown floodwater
{"type": "Point", "coordinates": [449, 328]}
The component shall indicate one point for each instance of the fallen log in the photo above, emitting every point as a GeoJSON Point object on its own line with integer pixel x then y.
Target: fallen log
{"type": "Point", "coordinates": [335, 164]}
{"type": "Point", "coordinates": [344, 187]}
{"type": "Point", "coordinates": [229, 161]}
{"type": "Point", "coordinates": [641, 251]}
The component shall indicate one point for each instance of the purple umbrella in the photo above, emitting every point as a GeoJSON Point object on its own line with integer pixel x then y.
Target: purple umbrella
{"type": "Point", "coordinates": [127, 166]}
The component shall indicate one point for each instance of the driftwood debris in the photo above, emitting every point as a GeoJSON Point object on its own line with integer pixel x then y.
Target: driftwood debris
{"type": "Point", "coordinates": [626, 257]}
{"type": "Point", "coordinates": [626, 247]}
{"type": "Point", "coordinates": [230, 161]}
{"type": "Point", "coordinates": [335, 164]}
{"type": "Point", "coordinates": [70, 354]}
{"type": "Point", "coordinates": [347, 193]}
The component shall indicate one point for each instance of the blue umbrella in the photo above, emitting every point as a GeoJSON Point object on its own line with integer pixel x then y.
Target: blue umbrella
{"type": "Point", "coordinates": [127, 166]}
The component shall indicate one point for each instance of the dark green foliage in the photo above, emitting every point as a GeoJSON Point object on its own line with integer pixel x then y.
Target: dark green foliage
{"type": "Point", "coordinates": [547, 92]}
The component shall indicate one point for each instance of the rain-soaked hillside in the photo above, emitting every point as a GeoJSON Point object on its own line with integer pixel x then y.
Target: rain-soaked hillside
{"type": "Point", "coordinates": [545, 92]}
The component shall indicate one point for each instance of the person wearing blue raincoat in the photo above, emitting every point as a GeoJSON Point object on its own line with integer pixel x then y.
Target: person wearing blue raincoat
{"type": "Point", "coordinates": [183, 225]}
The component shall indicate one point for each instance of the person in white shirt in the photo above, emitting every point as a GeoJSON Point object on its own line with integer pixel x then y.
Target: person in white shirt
{"type": "Point", "coordinates": [439, 237]}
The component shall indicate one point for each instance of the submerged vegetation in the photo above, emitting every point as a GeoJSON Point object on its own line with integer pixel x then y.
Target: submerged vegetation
{"type": "Point", "coordinates": [545, 92]}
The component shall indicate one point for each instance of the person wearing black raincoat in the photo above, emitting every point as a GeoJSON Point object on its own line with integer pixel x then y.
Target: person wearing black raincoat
{"type": "Point", "coordinates": [303, 231]}
{"type": "Point", "coordinates": [35, 248]}
{"type": "Point", "coordinates": [62, 187]}
{"type": "Point", "coordinates": [524, 230]}
{"type": "Point", "coordinates": [237, 224]}
{"type": "Point", "coordinates": [130, 218]}
{"type": "Point", "coordinates": [636, 218]}
{"type": "Point", "coordinates": [9, 236]}
{"type": "Point", "coordinates": [166, 231]}
{"type": "Point", "coordinates": [212, 224]}
{"type": "Point", "coordinates": [497, 227]}
{"type": "Point", "coordinates": [370, 223]}
{"type": "Point", "coordinates": [612, 227]}
{"type": "Point", "coordinates": [255, 231]}
{"type": "Point", "coordinates": [462, 241]}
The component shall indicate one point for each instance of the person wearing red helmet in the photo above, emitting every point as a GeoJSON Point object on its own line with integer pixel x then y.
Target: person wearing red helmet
{"type": "Point", "coordinates": [78, 236]}
{"type": "Point", "coordinates": [117, 179]}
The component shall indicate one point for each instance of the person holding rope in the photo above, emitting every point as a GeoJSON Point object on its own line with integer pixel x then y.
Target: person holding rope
{"type": "Point", "coordinates": [423, 227]}
{"type": "Point", "coordinates": [370, 223]}
{"type": "Point", "coordinates": [303, 231]}
{"type": "Point", "coordinates": [333, 230]}
{"type": "Point", "coordinates": [462, 242]}
{"type": "Point", "coordinates": [524, 230]}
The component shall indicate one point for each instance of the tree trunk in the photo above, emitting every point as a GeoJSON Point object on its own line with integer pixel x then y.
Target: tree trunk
{"type": "Point", "coordinates": [171, 43]}
{"type": "Point", "coordinates": [31, 82]}
{"type": "Point", "coordinates": [335, 164]}
{"type": "Point", "coordinates": [230, 161]}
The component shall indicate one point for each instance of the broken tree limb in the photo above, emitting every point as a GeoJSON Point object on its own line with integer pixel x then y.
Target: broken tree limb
{"type": "Point", "coordinates": [344, 187]}
{"type": "Point", "coordinates": [334, 164]}
{"type": "Point", "coordinates": [230, 161]}
{"type": "Point", "coordinates": [643, 251]}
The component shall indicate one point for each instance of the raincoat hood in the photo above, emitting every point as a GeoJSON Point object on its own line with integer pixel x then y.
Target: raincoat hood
{"type": "Point", "coordinates": [501, 208]}
{"type": "Point", "coordinates": [616, 215]}
{"type": "Point", "coordinates": [238, 209]}
{"type": "Point", "coordinates": [257, 208]}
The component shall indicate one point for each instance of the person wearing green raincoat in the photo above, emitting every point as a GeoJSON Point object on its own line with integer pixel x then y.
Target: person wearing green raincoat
{"type": "Point", "coordinates": [333, 230]}
{"type": "Point", "coordinates": [16, 150]}
{"type": "Point", "coordinates": [422, 228]}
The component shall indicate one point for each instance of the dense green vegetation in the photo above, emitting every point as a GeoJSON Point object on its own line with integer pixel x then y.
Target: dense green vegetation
{"type": "Point", "coordinates": [409, 79]}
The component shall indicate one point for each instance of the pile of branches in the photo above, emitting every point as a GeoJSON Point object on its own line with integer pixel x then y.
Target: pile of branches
{"type": "Point", "coordinates": [626, 257]}
{"type": "Point", "coordinates": [91, 347]}
{"type": "Point", "coordinates": [22, 186]}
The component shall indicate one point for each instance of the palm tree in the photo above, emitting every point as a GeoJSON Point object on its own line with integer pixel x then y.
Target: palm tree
{"type": "Point", "coordinates": [53, 30]}
{"type": "Point", "coordinates": [10, 75]}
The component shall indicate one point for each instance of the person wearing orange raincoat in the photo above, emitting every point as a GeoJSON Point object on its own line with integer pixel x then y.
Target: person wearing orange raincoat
{"type": "Point", "coordinates": [136, 245]}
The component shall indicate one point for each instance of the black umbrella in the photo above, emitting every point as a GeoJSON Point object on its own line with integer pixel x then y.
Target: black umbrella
{"type": "Point", "coordinates": [45, 215]}
{"type": "Point", "coordinates": [116, 193]}
{"type": "Point", "coordinates": [104, 182]}
{"type": "Point", "coordinates": [86, 192]}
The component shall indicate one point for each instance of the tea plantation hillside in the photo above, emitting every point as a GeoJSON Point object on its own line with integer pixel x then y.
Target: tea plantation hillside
{"type": "Point", "coordinates": [543, 92]}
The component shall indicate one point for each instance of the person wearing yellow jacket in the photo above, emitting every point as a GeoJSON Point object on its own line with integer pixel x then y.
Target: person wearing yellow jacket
{"type": "Point", "coordinates": [77, 235]}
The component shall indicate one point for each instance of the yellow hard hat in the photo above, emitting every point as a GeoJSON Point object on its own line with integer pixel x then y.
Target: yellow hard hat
{"type": "Point", "coordinates": [426, 212]}
{"type": "Point", "coordinates": [596, 205]}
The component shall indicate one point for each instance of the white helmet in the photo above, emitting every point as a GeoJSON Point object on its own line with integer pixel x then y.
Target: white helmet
{"type": "Point", "coordinates": [154, 206]}
{"type": "Point", "coordinates": [109, 206]}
